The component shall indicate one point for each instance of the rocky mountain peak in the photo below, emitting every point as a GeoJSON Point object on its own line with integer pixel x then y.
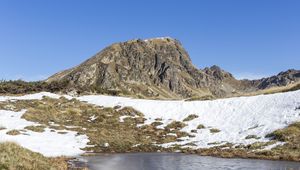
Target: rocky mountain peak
{"type": "Point", "coordinates": [218, 73]}
{"type": "Point", "coordinates": [150, 68]}
{"type": "Point", "coordinates": [282, 79]}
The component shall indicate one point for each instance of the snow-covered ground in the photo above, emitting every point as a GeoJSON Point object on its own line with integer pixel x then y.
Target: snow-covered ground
{"type": "Point", "coordinates": [48, 143]}
{"type": "Point", "coordinates": [36, 96]}
{"type": "Point", "coordinates": [236, 118]}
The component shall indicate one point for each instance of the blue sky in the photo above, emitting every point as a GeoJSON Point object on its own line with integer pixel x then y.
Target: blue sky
{"type": "Point", "coordinates": [249, 38]}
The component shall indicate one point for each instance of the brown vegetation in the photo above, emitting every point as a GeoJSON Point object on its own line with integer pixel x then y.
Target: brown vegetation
{"type": "Point", "coordinates": [102, 125]}
{"type": "Point", "coordinates": [13, 132]}
{"type": "Point", "coordinates": [39, 128]}
{"type": "Point", "coordinates": [200, 126]}
{"type": "Point", "coordinates": [214, 130]}
{"type": "Point", "coordinates": [23, 87]}
{"type": "Point", "coordinates": [190, 117]}
{"type": "Point", "coordinates": [13, 157]}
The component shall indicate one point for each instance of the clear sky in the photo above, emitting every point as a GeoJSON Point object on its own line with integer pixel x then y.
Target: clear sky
{"type": "Point", "coordinates": [249, 38]}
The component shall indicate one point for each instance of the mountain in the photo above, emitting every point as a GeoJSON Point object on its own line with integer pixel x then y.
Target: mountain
{"type": "Point", "coordinates": [157, 68]}
{"type": "Point", "coordinates": [282, 79]}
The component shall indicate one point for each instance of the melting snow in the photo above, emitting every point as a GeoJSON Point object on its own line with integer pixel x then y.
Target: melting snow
{"type": "Point", "coordinates": [37, 96]}
{"type": "Point", "coordinates": [236, 117]}
{"type": "Point", "coordinates": [47, 143]}
{"type": "Point", "coordinates": [92, 118]}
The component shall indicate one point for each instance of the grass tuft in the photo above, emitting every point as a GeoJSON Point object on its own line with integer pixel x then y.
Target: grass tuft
{"type": "Point", "coordinates": [13, 132]}
{"type": "Point", "coordinates": [2, 128]}
{"type": "Point", "coordinates": [39, 128]}
{"type": "Point", "coordinates": [252, 137]}
{"type": "Point", "coordinates": [214, 130]}
{"type": "Point", "coordinates": [190, 117]}
{"type": "Point", "coordinates": [200, 126]}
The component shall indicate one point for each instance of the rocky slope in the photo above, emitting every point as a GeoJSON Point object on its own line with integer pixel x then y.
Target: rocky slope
{"type": "Point", "coordinates": [282, 79]}
{"type": "Point", "coordinates": [157, 68]}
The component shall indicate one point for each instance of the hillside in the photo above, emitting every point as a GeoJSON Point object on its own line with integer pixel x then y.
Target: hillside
{"type": "Point", "coordinates": [15, 157]}
{"type": "Point", "coordinates": [263, 126]}
{"type": "Point", "coordinates": [158, 68]}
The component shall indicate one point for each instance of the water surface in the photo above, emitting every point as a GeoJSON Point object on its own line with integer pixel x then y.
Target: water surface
{"type": "Point", "coordinates": [177, 161]}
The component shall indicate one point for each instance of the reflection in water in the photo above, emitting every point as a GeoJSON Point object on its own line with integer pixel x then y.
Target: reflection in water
{"type": "Point", "coordinates": [172, 161]}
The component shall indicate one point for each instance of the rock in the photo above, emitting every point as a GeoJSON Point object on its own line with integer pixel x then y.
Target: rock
{"type": "Point", "coordinates": [282, 79]}
{"type": "Point", "coordinates": [157, 68]}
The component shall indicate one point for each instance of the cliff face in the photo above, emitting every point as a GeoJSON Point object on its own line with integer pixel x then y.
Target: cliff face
{"type": "Point", "coordinates": [158, 68]}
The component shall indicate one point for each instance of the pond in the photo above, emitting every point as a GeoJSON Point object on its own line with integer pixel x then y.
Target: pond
{"type": "Point", "coordinates": [177, 161]}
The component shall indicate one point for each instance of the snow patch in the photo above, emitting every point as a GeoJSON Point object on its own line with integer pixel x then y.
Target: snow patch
{"type": "Point", "coordinates": [236, 118]}
{"type": "Point", "coordinates": [37, 96]}
{"type": "Point", "coordinates": [48, 143]}
{"type": "Point", "coordinates": [92, 118]}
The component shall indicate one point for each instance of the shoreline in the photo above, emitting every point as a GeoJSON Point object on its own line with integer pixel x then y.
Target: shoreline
{"type": "Point", "coordinates": [81, 164]}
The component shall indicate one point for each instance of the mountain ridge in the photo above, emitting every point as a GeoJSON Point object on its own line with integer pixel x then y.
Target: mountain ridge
{"type": "Point", "coordinates": [158, 68]}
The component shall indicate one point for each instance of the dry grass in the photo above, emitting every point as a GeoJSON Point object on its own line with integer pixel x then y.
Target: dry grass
{"type": "Point", "coordinates": [14, 157]}
{"type": "Point", "coordinates": [200, 126]}
{"type": "Point", "coordinates": [13, 132]}
{"type": "Point", "coordinates": [288, 134]}
{"type": "Point", "coordinates": [22, 87]}
{"type": "Point", "coordinates": [214, 130]}
{"type": "Point", "coordinates": [106, 128]}
{"type": "Point", "coordinates": [190, 117]}
{"type": "Point", "coordinates": [289, 151]}
{"type": "Point", "coordinates": [252, 137]}
{"type": "Point", "coordinates": [2, 128]}
{"type": "Point", "coordinates": [176, 125]}
{"type": "Point", "coordinates": [205, 97]}
{"type": "Point", "coordinates": [127, 137]}
{"type": "Point", "coordinates": [272, 90]}
{"type": "Point", "coordinates": [291, 136]}
{"type": "Point", "coordinates": [39, 128]}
